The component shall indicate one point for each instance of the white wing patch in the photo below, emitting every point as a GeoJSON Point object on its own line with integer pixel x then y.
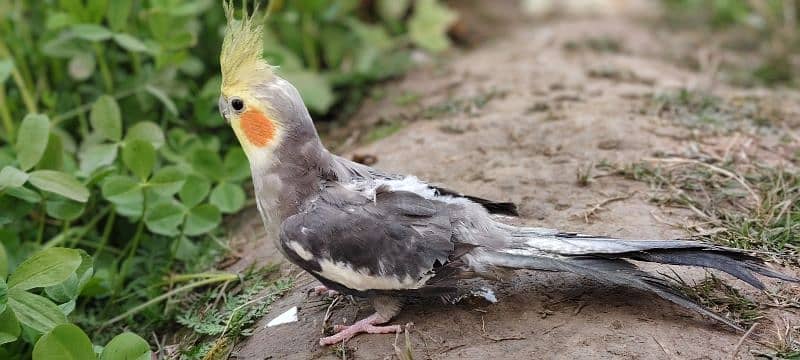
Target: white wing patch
{"type": "Point", "coordinates": [300, 250]}
{"type": "Point", "coordinates": [409, 183]}
{"type": "Point", "coordinates": [361, 280]}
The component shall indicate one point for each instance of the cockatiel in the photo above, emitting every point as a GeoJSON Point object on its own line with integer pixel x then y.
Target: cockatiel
{"type": "Point", "coordinates": [385, 236]}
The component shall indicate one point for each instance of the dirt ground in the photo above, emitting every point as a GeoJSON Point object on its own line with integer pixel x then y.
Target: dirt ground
{"type": "Point", "coordinates": [517, 118]}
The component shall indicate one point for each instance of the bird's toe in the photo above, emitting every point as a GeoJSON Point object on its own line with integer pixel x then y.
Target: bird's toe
{"type": "Point", "coordinates": [346, 332]}
{"type": "Point", "coordinates": [387, 329]}
{"type": "Point", "coordinates": [323, 290]}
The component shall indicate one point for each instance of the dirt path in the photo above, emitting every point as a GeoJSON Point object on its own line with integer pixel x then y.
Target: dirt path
{"type": "Point", "coordinates": [517, 119]}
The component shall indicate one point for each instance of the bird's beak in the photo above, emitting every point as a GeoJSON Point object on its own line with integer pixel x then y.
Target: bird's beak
{"type": "Point", "coordinates": [224, 110]}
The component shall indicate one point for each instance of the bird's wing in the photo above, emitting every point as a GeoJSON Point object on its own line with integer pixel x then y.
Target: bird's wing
{"type": "Point", "coordinates": [356, 171]}
{"type": "Point", "coordinates": [493, 207]}
{"type": "Point", "coordinates": [395, 240]}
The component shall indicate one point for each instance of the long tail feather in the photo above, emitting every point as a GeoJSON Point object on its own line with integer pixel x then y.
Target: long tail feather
{"type": "Point", "coordinates": [614, 271]}
{"type": "Point", "coordinates": [741, 266]}
{"type": "Point", "coordinates": [606, 260]}
{"type": "Point", "coordinates": [673, 252]}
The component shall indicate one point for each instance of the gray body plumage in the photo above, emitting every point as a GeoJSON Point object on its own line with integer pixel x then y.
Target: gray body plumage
{"type": "Point", "coordinates": [370, 233]}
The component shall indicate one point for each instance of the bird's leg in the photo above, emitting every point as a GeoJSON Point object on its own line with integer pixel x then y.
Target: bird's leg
{"type": "Point", "coordinates": [323, 290]}
{"type": "Point", "coordinates": [385, 309]}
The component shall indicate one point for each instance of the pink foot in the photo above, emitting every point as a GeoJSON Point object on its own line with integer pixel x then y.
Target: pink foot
{"type": "Point", "coordinates": [366, 325]}
{"type": "Point", "coordinates": [323, 290]}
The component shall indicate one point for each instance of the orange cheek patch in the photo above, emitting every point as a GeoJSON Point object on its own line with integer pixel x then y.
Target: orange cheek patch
{"type": "Point", "coordinates": [258, 128]}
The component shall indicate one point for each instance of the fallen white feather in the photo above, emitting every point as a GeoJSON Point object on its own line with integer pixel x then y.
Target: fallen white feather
{"type": "Point", "coordinates": [289, 316]}
{"type": "Point", "coordinates": [486, 293]}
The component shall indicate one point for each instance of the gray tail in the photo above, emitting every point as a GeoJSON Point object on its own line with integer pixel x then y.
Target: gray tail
{"type": "Point", "coordinates": [606, 260]}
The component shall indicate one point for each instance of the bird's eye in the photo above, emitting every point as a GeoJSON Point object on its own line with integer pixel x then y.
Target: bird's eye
{"type": "Point", "coordinates": [237, 104]}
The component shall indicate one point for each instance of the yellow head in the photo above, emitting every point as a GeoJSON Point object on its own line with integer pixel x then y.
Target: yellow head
{"type": "Point", "coordinates": [245, 79]}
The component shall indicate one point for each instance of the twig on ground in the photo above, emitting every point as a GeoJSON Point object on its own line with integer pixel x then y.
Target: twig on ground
{"type": "Point", "coordinates": [578, 309]}
{"type": "Point", "coordinates": [407, 352]}
{"type": "Point", "coordinates": [741, 341]}
{"type": "Point", "coordinates": [221, 294]}
{"type": "Point", "coordinates": [730, 146]}
{"type": "Point", "coordinates": [507, 338]}
{"type": "Point", "coordinates": [451, 348]}
{"type": "Point", "coordinates": [665, 222]}
{"type": "Point", "coordinates": [553, 328]}
{"type": "Point", "coordinates": [599, 206]}
{"type": "Point", "coordinates": [159, 347]}
{"type": "Point", "coordinates": [328, 312]}
{"type": "Point", "coordinates": [662, 347]}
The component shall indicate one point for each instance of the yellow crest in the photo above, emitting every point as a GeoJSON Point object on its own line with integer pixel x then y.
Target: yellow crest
{"type": "Point", "coordinates": [241, 59]}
